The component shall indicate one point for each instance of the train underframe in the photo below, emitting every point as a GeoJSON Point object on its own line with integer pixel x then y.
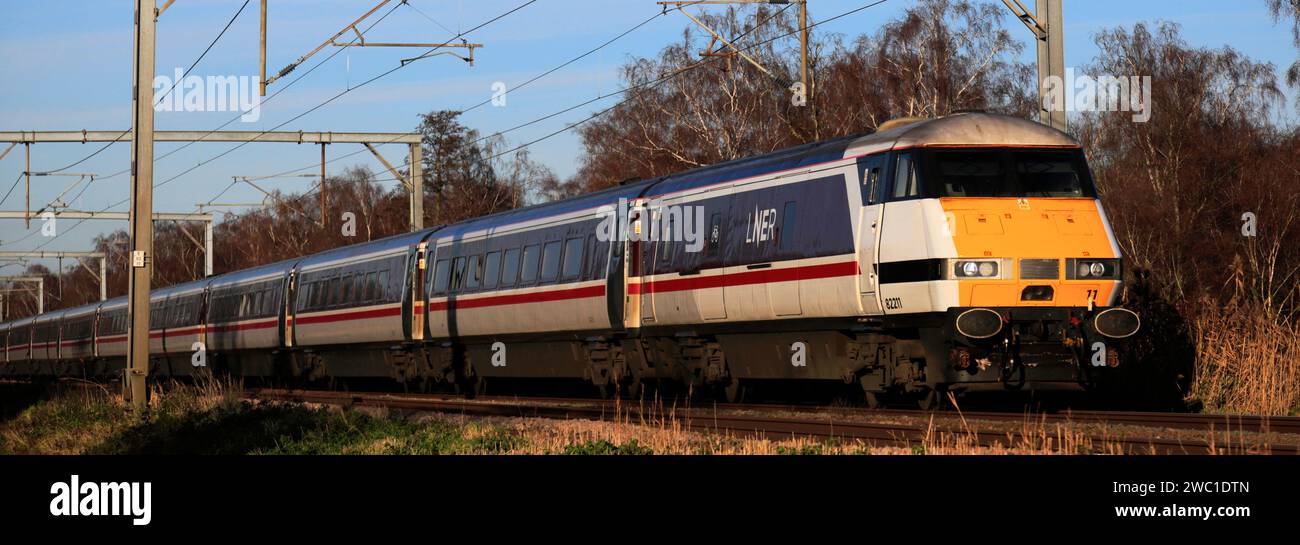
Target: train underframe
{"type": "Point", "coordinates": [914, 358]}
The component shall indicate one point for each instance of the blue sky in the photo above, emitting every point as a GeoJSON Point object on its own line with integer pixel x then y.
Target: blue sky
{"type": "Point", "coordinates": [67, 66]}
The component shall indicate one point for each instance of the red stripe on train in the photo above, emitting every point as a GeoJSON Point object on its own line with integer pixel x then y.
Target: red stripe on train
{"type": "Point", "coordinates": [521, 298]}
{"type": "Point", "coordinates": [245, 326]}
{"type": "Point", "coordinates": [764, 276]}
{"type": "Point", "coordinates": [344, 316]}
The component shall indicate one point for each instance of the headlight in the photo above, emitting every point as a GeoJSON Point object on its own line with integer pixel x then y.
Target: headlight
{"type": "Point", "coordinates": [1089, 269]}
{"type": "Point", "coordinates": [974, 268]}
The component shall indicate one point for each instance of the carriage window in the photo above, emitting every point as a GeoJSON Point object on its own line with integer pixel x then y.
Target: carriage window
{"type": "Point", "coordinates": [594, 268]}
{"type": "Point", "coordinates": [333, 292]}
{"type": "Point", "coordinates": [787, 233]}
{"type": "Point", "coordinates": [361, 287]}
{"type": "Point", "coordinates": [550, 261]}
{"type": "Point", "coordinates": [530, 264]}
{"type": "Point", "coordinates": [441, 276]}
{"type": "Point", "coordinates": [905, 177]}
{"type": "Point", "coordinates": [492, 270]}
{"type": "Point", "coordinates": [871, 184]}
{"type": "Point", "coordinates": [715, 235]}
{"type": "Point", "coordinates": [345, 288]}
{"type": "Point", "coordinates": [475, 273]}
{"type": "Point", "coordinates": [381, 286]}
{"type": "Point", "coordinates": [458, 274]}
{"type": "Point", "coordinates": [366, 283]}
{"type": "Point", "coordinates": [572, 258]}
{"type": "Point", "coordinates": [510, 269]}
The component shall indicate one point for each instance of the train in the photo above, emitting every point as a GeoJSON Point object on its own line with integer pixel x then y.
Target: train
{"type": "Point", "coordinates": [963, 253]}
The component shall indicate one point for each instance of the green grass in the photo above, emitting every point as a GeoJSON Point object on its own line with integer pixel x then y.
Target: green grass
{"type": "Point", "coordinates": [603, 447]}
{"type": "Point", "coordinates": [212, 418]}
{"type": "Point", "coordinates": [89, 422]}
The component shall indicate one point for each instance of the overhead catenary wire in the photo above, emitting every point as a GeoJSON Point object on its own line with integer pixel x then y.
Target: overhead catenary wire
{"type": "Point", "coordinates": [196, 62]}
{"type": "Point", "coordinates": [232, 120]}
{"type": "Point", "coordinates": [174, 84]}
{"type": "Point", "coordinates": [426, 16]}
{"type": "Point", "coordinates": [312, 109]}
{"type": "Point", "coordinates": [650, 83]}
{"type": "Point", "coordinates": [655, 82]}
{"type": "Point", "coordinates": [341, 93]}
{"type": "Point", "coordinates": [534, 79]}
{"type": "Point", "coordinates": [12, 187]}
{"type": "Point", "coordinates": [263, 102]}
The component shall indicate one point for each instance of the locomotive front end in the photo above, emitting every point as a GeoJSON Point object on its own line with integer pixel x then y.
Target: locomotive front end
{"type": "Point", "coordinates": [1038, 272]}
{"type": "Point", "coordinates": [989, 261]}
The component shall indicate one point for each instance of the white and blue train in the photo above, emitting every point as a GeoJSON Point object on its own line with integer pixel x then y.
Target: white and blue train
{"type": "Point", "coordinates": [957, 253]}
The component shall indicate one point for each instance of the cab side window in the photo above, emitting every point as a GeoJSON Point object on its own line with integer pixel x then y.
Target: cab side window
{"type": "Point", "coordinates": [905, 184]}
{"type": "Point", "coordinates": [872, 170]}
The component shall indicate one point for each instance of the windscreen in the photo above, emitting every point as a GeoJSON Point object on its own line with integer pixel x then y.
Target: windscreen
{"type": "Point", "coordinates": [1006, 173]}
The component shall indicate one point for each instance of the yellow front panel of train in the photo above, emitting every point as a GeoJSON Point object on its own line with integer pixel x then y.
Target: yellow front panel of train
{"type": "Point", "coordinates": [1034, 229]}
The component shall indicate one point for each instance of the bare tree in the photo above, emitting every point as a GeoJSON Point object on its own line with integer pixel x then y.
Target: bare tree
{"type": "Point", "coordinates": [684, 111]}
{"type": "Point", "coordinates": [1289, 9]}
{"type": "Point", "coordinates": [1177, 187]}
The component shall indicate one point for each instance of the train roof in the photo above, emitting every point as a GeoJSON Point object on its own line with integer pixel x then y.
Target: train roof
{"type": "Point", "coordinates": [21, 322]}
{"type": "Point", "coordinates": [119, 301]}
{"type": "Point", "coordinates": [174, 289]}
{"type": "Point", "coordinates": [386, 244]}
{"type": "Point", "coordinates": [970, 129]}
{"type": "Point", "coordinates": [80, 310]}
{"type": "Point", "coordinates": [790, 158]}
{"type": "Point", "coordinates": [795, 157]}
{"type": "Point", "coordinates": [260, 271]}
{"type": "Point", "coordinates": [964, 129]}
{"type": "Point", "coordinates": [587, 201]}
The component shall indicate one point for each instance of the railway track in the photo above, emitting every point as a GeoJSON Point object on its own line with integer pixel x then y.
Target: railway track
{"type": "Point", "coordinates": [1097, 431]}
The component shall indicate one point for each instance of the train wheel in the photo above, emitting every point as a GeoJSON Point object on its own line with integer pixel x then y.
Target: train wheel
{"type": "Point", "coordinates": [929, 400]}
{"type": "Point", "coordinates": [734, 391]}
{"type": "Point", "coordinates": [632, 390]}
{"type": "Point", "coordinates": [471, 387]}
{"type": "Point", "coordinates": [873, 400]}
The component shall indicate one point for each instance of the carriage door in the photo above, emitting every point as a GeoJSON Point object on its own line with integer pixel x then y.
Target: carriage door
{"type": "Point", "coordinates": [642, 257]}
{"type": "Point", "coordinates": [616, 283]}
{"type": "Point", "coordinates": [418, 300]}
{"type": "Point", "coordinates": [871, 172]}
{"type": "Point", "coordinates": [289, 308]}
{"type": "Point", "coordinates": [712, 301]}
{"type": "Point", "coordinates": [204, 302]}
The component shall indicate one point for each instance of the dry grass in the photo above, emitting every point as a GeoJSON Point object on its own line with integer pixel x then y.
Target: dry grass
{"type": "Point", "coordinates": [209, 417]}
{"type": "Point", "coordinates": [1248, 362]}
